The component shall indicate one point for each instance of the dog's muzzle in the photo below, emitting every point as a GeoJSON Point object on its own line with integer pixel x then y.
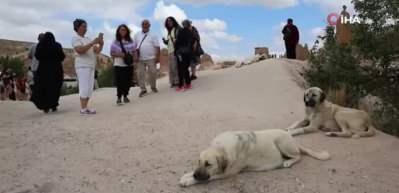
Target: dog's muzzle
{"type": "Point", "coordinates": [310, 103]}
{"type": "Point", "coordinates": [201, 175]}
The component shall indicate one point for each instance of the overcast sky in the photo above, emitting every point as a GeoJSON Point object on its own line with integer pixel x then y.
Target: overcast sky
{"type": "Point", "coordinates": [229, 28]}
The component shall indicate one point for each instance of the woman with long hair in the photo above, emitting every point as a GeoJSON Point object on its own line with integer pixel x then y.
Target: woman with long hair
{"type": "Point", "coordinates": [121, 49]}
{"type": "Point", "coordinates": [50, 75]}
{"type": "Point", "coordinates": [173, 29]}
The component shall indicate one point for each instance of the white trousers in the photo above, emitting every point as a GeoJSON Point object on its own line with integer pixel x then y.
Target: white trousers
{"type": "Point", "coordinates": [86, 81]}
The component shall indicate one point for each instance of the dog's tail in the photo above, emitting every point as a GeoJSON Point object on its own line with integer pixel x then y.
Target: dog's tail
{"type": "Point", "coordinates": [322, 155]}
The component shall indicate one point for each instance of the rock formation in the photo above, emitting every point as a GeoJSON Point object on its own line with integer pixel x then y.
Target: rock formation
{"type": "Point", "coordinates": [262, 51]}
{"type": "Point", "coordinates": [206, 62]}
{"type": "Point", "coordinates": [344, 31]}
{"type": "Point", "coordinates": [302, 52]}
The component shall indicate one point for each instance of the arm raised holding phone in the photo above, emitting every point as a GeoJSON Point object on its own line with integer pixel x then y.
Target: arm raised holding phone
{"type": "Point", "coordinates": [100, 44]}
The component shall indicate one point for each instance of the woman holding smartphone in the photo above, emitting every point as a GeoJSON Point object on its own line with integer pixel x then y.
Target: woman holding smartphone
{"type": "Point", "coordinates": [123, 47]}
{"type": "Point", "coordinates": [86, 51]}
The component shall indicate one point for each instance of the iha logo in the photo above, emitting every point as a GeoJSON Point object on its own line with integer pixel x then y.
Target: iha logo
{"type": "Point", "coordinates": [334, 18]}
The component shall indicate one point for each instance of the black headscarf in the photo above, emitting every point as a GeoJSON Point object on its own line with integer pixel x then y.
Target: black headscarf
{"type": "Point", "coordinates": [48, 39]}
{"type": "Point", "coordinates": [49, 49]}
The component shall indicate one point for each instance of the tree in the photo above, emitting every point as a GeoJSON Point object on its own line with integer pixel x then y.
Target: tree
{"type": "Point", "coordinates": [15, 64]}
{"type": "Point", "coordinates": [106, 77]}
{"type": "Point", "coordinates": [333, 67]}
{"type": "Point", "coordinates": [377, 42]}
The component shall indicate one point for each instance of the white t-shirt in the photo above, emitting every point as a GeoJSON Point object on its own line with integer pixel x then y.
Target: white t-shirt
{"type": "Point", "coordinates": [35, 62]}
{"type": "Point", "coordinates": [87, 60]}
{"type": "Point", "coordinates": [147, 49]}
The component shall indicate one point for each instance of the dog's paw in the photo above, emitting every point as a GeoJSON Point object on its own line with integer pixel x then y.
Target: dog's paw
{"type": "Point", "coordinates": [286, 165]}
{"type": "Point", "coordinates": [355, 136]}
{"type": "Point", "coordinates": [324, 129]}
{"type": "Point", "coordinates": [331, 134]}
{"type": "Point", "coordinates": [187, 180]}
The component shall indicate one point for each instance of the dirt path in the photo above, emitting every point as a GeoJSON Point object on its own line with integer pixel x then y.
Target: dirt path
{"type": "Point", "coordinates": [146, 146]}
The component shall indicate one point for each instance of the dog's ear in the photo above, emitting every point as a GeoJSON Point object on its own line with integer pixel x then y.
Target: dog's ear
{"type": "Point", "coordinates": [322, 97]}
{"type": "Point", "coordinates": [222, 161]}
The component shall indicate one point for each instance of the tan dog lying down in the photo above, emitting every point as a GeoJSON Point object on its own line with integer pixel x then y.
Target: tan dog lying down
{"type": "Point", "coordinates": [335, 120]}
{"type": "Point", "coordinates": [233, 152]}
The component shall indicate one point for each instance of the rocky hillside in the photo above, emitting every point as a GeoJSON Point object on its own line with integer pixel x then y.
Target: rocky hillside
{"type": "Point", "coordinates": [206, 61]}
{"type": "Point", "coordinates": [20, 50]}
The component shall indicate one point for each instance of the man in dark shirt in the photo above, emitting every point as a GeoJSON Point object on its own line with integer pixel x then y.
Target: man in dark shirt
{"type": "Point", "coordinates": [291, 38]}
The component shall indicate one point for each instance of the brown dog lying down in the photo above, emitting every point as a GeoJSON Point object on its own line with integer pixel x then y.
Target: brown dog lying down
{"type": "Point", "coordinates": [335, 120]}
{"type": "Point", "coordinates": [233, 152]}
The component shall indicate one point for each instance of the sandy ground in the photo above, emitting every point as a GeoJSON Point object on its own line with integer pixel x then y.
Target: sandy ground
{"type": "Point", "coordinates": [146, 146]}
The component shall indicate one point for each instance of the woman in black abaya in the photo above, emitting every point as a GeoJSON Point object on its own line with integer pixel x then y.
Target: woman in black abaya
{"type": "Point", "coordinates": [50, 75]}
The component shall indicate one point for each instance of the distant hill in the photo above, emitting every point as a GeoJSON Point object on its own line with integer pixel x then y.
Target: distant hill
{"type": "Point", "coordinates": [20, 50]}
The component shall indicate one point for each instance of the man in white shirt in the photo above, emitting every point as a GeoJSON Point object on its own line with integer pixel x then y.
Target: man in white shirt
{"type": "Point", "coordinates": [149, 54]}
{"type": "Point", "coordinates": [31, 56]}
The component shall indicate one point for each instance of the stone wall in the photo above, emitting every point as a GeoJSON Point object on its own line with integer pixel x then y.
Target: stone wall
{"type": "Point", "coordinates": [262, 51]}
{"type": "Point", "coordinates": [302, 53]}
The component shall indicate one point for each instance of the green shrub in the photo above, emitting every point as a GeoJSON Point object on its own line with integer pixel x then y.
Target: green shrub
{"type": "Point", "coordinates": [333, 67]}
{"type": "Point", "coordinates": [378, 44]}
{"type": "Point", "coordinates": [69, 90]}
{"type": "Point", "coordinates": [15, 64]}
{"type": "Point", "coordinates": [106, 78]}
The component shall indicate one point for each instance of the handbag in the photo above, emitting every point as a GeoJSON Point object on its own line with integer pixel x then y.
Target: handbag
{"type": "Point", "coordinates": [128, 58]}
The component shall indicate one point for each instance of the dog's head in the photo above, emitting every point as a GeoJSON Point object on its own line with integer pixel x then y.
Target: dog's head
{"type": "Point", "coordinates": [212, 162]}
{"type": "Point", "coordinates": [314, 96]}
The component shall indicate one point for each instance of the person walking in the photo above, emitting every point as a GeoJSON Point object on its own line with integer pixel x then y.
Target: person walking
{"type": "Point", "coordinates": [197, 51]}
{"type": "Point", "coordinates": [184, 53]}
{"type": "Point", "coordinates": [86, 51]}
{"type": "Point", "coordinates": [50, 75]}
{"type": "Point", "coordinates": [30, 79]}
{"type": "Point", "coordinates": [173, 29]}
{"type": "Point", "coordinates": [31, 55]}
{"type": "Point", "coordinates": [3, 84]}
{"type": "Point", "coordinates": [291, 38]}
{"type": "Point", "coordinates": [148, 50]}
{"type": "Point", "coordinates": [123, 51]}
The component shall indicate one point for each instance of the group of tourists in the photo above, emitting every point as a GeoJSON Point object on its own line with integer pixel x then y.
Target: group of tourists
{"type": "Point", "coordinates": [8, 85]}
{"type": "Point", "coordinates": [184, 50]}
{"type": "Point", "coordinates": [135, 58]}
{"type": "Point", "coordinates": [14, 87]}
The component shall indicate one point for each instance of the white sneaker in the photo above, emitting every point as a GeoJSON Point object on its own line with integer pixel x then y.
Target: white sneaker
{"type": "Point", "coordinates": [88, 112]}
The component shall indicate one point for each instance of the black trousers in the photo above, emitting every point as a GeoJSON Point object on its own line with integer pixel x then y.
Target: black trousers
{"type": "Point", "coordinates": [183, 65]}
{"type": "Point", "coordinates": [291, 50]}
{"type": "Point", "coordinates": [123, 80]}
